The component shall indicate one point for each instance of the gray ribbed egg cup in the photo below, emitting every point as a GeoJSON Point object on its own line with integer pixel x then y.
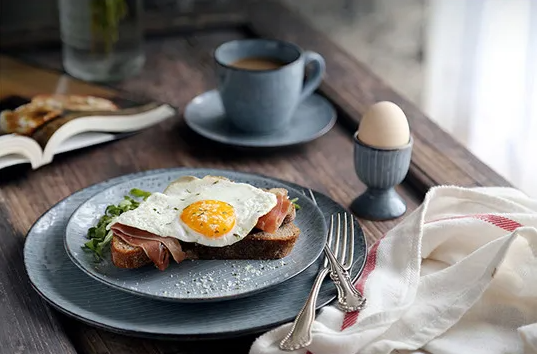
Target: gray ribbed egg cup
{"type": "Point", "coordinates": [380, 170]}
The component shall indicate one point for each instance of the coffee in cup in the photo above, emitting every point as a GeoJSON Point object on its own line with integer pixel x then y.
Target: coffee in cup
{"type": "Point", "coordinates": [261, 82]}
{"type": "Point", "coordinates": [255, 63]}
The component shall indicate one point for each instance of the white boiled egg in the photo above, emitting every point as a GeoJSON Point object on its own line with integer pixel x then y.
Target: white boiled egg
{"type": "Point", "coordinates": [384, 126]}
{"type": "Point", "coordinates": [210, 211]}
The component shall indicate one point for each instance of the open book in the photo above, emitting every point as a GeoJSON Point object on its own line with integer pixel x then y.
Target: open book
{"type": "Point", "coordinates": [33, 130]}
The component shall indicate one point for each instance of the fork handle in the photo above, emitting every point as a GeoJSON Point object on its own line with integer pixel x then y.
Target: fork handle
{"type": "Point", "coordinates": [300, 334]}
{"type": "Point", "coordinates": [349, 298]}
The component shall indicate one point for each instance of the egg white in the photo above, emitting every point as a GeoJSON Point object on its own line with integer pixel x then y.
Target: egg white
{"type": "Point", "coordinates": [160, 213]}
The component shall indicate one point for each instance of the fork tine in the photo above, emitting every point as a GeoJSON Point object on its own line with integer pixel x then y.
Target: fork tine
{"type": "Point", "coordinates": [350, 255]}
{"type": "Point", "coordinates": [335, 249]}
{"type": "Point", "coordinates": [312, 196]}
{"type": "Point", "coordinates": [330, 238]}
{"type": "Point", "coordinates": [343, 255]}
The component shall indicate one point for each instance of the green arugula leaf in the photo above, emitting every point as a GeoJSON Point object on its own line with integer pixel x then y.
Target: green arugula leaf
{"type": "Point", "coordinates": [98, 235]}
{"type": "Point", "coordinates": [294, 201]}
{"type": "Point", "coordinates": [135, 192]}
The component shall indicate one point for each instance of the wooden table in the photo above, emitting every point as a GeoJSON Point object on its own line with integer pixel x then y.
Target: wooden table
{"type": "Point", "coordinates": [178, 68]}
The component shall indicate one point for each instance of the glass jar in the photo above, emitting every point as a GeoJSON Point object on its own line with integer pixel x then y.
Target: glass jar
{"type": "Point", "coordinates": [102, 39]}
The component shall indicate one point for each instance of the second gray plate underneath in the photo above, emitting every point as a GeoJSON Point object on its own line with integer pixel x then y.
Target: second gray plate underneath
{"type": "Point", "coordinates": [72, 292]}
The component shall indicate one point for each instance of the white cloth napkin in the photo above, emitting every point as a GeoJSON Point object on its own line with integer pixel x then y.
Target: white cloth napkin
{"type": "Point", "coordinates": [457, 276]}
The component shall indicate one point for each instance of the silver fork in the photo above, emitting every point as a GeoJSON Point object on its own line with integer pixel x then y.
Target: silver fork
{"type": "Point", "coordinates": [300, 334]}
{"type": "Point", "coordinates": [349, 298]}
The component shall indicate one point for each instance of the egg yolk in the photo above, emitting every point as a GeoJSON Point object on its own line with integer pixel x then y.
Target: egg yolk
{"type": "Point", "coordinates": [211, 218]}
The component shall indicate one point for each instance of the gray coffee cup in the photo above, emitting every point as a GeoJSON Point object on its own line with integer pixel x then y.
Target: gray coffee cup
{"type": "Point", "coordinates": [261, 101]}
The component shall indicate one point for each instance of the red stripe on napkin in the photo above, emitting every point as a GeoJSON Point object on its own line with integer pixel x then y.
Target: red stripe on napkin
{"type": "Point", "coordinates": [500, 221]}
{"type": "Point", "coordinates": [370, 263]}
{"type": "Point", "coordinates": [351, 317]}
{"type": "Point", "coordinates": [496, 220]}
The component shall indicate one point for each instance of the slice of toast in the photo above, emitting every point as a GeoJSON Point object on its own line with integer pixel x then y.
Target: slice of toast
{"type": "Point", "coordinates": [127, 256]}
{"type": "Point", "coordinates": [257, 245]}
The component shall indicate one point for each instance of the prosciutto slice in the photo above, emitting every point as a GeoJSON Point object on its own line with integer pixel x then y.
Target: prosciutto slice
{"type": "Point", "coordinates": [155, 247]}
{"type": "Point", "coordinates": [155, 250]}
{"type": "Point", "coordinates": [273, 220]}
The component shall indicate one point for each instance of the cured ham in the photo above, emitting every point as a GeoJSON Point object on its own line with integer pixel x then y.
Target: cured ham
{"type": "Point", "coordinates": [155, 247]}
{"type": "Point", "coordinates": [273, 220]}
{"type": "Point", "coordinates": [155, 250]}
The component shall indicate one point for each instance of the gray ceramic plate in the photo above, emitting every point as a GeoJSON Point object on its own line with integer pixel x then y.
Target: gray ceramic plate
{"type": "Point", "coordinates": [203, 280]}
{"type": "Point", "coordinates": [314, 117]}
{"type": "Point", "coordinates": [72, 292]}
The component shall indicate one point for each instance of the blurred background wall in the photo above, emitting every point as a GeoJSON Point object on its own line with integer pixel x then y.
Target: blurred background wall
{"type": "Point", "coordinates": [470, 65]}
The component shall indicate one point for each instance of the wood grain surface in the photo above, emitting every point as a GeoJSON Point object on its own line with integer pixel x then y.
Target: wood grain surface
{"type": "Point", "coordinates": [177, 69]}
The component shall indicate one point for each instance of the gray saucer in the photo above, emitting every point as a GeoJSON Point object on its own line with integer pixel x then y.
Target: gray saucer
{"type": "Point", "coordinates": [313, 118]}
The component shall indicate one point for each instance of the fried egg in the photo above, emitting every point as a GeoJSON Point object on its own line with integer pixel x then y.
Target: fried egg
{"type": "Point", "coordinates": [211, 211]}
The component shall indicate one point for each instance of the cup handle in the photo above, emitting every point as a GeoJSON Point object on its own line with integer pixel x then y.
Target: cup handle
{"type": "Point", "coordinates": [316, 77]}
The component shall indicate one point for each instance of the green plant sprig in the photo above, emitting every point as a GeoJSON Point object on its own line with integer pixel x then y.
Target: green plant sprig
{"type": "Point", "coordinates": [99, 236]}
{"type": "Point", "coordinates": [296, 205]}
{"type": "Point", "coordinates": [106, 16]}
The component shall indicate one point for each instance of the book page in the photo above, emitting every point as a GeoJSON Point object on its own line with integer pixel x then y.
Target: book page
{"type": "Point", "coordinates": [87, 139]}
{"type": "Point", "coordinates": [20, 149]}
{"type": "Point", "coordinates": [40, 117]}
{"type": "Point", "coordinates": [105, 124]}
{"type": "Point", "coordinates": [12, 159]}
{"type": "Point", "coordinates": [46, 131]}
